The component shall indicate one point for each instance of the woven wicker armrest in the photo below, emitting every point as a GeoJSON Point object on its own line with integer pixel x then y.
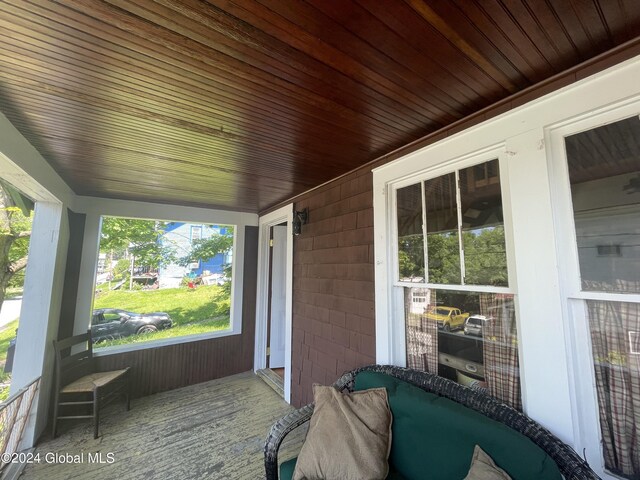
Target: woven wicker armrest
{"type": "Point", "coordinates": [278, 432]}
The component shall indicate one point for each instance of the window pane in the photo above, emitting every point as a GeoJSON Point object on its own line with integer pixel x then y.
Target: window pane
{"type": "Point", "coordinates": [410, 237]}
{"type": "Point", "coordinates": [604, 170]}
{"type": "Point", "coordinates": [157, 283]}
{"type": "Point", "coordinates": [485, 257]}
{"type": "Point", "coordinates": [443, 248]}
{"type": "Point", "coordinates": [615, 339]}
{"type": "Point", "coordinates": [468, 337]}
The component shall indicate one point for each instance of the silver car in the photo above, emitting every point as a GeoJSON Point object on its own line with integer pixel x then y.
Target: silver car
{"type": "Point", "coordinates": [473, 325]}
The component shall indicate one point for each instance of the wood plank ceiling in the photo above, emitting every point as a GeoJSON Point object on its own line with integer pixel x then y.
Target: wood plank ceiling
{"type": "Point", "coordinates": [243, 104]}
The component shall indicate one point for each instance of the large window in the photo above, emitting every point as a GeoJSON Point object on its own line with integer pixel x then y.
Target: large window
{"type": "Point", "coordinates": [451, 240]}
{"type": "Point", "coordinates": [161, 280]}
{"type": "Point", "coordinates": [604, 173]}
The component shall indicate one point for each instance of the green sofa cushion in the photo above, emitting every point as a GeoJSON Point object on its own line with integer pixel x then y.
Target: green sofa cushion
{"type": "Point", "coordinates": [286, 471]}
{"type": "Point", "coordinates": [437, 435]}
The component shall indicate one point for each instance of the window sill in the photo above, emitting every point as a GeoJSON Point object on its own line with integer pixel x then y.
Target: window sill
{"type": "Point", "coordinates": [165, 342]}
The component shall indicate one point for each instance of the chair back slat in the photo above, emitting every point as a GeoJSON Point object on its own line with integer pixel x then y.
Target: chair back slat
{"type": "Point", "coordinates": [71, 363]}
{"type": "Point", "coordinates": [71, 341]}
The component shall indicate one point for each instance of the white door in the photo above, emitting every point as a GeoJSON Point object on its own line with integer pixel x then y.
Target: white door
{"type": "Point", "coordinates": [278, 297]}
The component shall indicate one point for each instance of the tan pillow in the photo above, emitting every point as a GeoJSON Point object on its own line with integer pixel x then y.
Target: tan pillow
{"type": "Point", "coordinates": [484, 468]}
{"type": "Point", "coordinates": [349, 436]}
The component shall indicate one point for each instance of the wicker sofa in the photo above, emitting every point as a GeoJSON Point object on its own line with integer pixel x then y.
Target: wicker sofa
{"type": "Point", "coordinates": [473, 405]}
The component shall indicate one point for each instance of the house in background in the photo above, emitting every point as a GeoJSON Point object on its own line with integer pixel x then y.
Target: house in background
{"type": "Point", "coordinates": [180, 236]}
{"type": "Point", "coordinates": [376, 118]}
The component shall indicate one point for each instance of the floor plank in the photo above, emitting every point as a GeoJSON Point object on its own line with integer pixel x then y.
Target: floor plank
{"type": "Point", "coordinates": [210, 430]}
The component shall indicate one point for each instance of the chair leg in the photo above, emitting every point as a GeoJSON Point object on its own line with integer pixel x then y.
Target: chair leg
{"type": "Point", "coordinates": [54, 428]}
{"type": "Point", "coordinates": [96, 414]}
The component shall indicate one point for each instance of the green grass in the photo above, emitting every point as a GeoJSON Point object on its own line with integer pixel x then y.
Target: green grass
{"type": "Point", "coordinates": [202, 310]}
{"type": "Point", "coordinates": [13, 292]}
{"type": "Point", "coordinates": [6, 335]}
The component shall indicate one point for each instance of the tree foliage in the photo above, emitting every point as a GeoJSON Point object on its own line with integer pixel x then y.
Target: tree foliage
{"type": "Point", "coordinates": [147, 240]}
{"type": "Point", "coordinates": [140, 238]}
{"type": "Point", "coordinates": [207, 248]}
{"type": "Point", "coordinates": [485, 259]}
{"type": "Point", "coordinates": [15, 231]}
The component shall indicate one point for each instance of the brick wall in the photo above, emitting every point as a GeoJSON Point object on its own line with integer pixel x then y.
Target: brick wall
{"type": "Point", "coordinates": [333, 285]}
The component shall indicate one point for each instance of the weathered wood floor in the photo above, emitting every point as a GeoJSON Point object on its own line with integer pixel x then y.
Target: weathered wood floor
{"type": "Point", "coordinates": [214, 430]}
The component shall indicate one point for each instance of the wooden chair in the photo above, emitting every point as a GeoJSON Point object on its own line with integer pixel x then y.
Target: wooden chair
{"type": "Point", "coordinates": [77, 380]}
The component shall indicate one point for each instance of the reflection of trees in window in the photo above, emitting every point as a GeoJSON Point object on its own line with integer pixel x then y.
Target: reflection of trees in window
{"type": "Point", "coordinates": [465, 241]}
{"type": "Point", "coordinates": [410, 236]}
{"type": "Point", "coordinates": [443, 247]}
{"type": "Point", "coordinates": [485, 257]}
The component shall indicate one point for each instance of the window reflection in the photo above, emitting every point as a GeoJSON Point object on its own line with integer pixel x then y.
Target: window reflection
{"type": "Point", "coordinates": [468, 337]}
{"type": "Point", "coordinates": [443, 247]}
{"type": "Point", "coordinates": [604, 169]}
{"type": "Point", "coordinates": [485, 257]}
{"type": "Point", "coordinates": [410, 237]}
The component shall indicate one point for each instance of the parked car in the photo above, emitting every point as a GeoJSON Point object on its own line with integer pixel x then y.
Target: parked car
{"type": "Point", "coordinates": [448, 318]}
{"type": "Point", "coordinates": [110, 323]}
{"type": "Point", "coordinates": [474, 325]}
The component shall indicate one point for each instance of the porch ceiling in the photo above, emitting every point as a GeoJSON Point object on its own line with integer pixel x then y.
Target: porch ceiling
{"type": "Point", "coordinates": [243, 104]}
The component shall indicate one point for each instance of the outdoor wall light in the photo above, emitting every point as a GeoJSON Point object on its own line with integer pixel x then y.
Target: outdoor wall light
{"type": "Point", "coordinates": [299, 218]}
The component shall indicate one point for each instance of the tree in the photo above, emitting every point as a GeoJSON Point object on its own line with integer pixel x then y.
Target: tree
{"type": "Point", "coordinates": [206, 248]}
{"type": "Point", "coordinates": [140, 238]}
{"type": "Point", "coordinates": [15, 230]}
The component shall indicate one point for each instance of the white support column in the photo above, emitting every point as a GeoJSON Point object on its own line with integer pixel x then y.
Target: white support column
{"type": "Point", "coordinates": [44, 282]}
{"type": "Point", "coordinates": [543, 368]}
{"type": "Point", "coordinates": [88, 265]}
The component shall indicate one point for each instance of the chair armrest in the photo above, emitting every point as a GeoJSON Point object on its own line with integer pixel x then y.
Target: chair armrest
{"type": "Point", "coordinates": [278, 432]}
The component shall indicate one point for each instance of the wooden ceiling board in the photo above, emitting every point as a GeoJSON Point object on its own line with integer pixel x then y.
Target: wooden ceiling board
{"type": "Point", "coordinates": [242, 104]}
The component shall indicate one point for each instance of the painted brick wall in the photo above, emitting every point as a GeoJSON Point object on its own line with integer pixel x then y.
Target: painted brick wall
{"type": "Point", "coordinates": [333, 285]}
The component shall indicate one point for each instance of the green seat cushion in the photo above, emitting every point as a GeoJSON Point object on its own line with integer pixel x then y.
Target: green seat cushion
{"type": "Point", "coordinates": [437, 435]}
{"type": "Point", "coordinates": [286, 471]}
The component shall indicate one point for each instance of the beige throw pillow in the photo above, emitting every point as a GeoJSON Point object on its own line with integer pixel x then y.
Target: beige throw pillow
{"type": "Point", "coordinates": [484, 468]}
{"type": "Point", "coordinates": [349, 436]}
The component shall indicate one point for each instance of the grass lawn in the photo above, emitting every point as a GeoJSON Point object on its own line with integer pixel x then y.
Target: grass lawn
{"type": "Point", "coordinates": [13, 292]}
{"type": "Point", "coordinates": [193, 311]}
{"type": "Point", "coordinates": [5, 336]}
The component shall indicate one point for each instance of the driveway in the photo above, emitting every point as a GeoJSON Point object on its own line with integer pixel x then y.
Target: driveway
{"type": "Point", "coordinates": [10, 310]}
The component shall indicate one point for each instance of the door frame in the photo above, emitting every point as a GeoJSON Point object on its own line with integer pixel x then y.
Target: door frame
{"type": "Point", "coordinates": [284, 214]}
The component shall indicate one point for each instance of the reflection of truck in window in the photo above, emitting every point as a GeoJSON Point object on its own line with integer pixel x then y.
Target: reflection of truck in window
{"type": "Point", "coordinates": [448, 318]}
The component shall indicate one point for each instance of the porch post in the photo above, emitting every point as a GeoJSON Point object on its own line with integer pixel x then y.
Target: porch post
{"type": "Point", "coordinates": [39, 317]}
{"type": "Point", "coordinates": [88, 266]}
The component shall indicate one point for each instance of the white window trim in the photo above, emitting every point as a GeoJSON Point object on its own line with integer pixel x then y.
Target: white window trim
{"type": "Point", "coordinates": [588, 424]}
{"type": "Point", "coordinates": [95, 208]}
{"type": "Point", "coordinates": [524, 131]}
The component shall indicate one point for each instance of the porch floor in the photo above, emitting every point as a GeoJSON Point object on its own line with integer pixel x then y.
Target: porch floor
{"type": "Point", "coordinates": [210, 430]}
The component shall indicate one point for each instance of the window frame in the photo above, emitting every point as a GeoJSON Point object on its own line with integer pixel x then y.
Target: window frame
{"type": "Point", "coordinates": [548, 361]}
{"type": "Point", "coordinates": [574, 298]}
{"type": "Point", "coordinates": [92, 237]}
{"type": "Point", "coordinates": [454, 165]}
{"type": "Point", "coordinates": [393, 348]}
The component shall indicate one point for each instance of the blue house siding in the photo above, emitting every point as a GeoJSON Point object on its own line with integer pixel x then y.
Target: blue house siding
{"type": "Point", "coordinates": [182, 235]}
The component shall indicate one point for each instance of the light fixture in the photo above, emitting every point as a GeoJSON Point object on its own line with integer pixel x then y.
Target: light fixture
{"type": "Point", "coordinates": [299, 218]}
